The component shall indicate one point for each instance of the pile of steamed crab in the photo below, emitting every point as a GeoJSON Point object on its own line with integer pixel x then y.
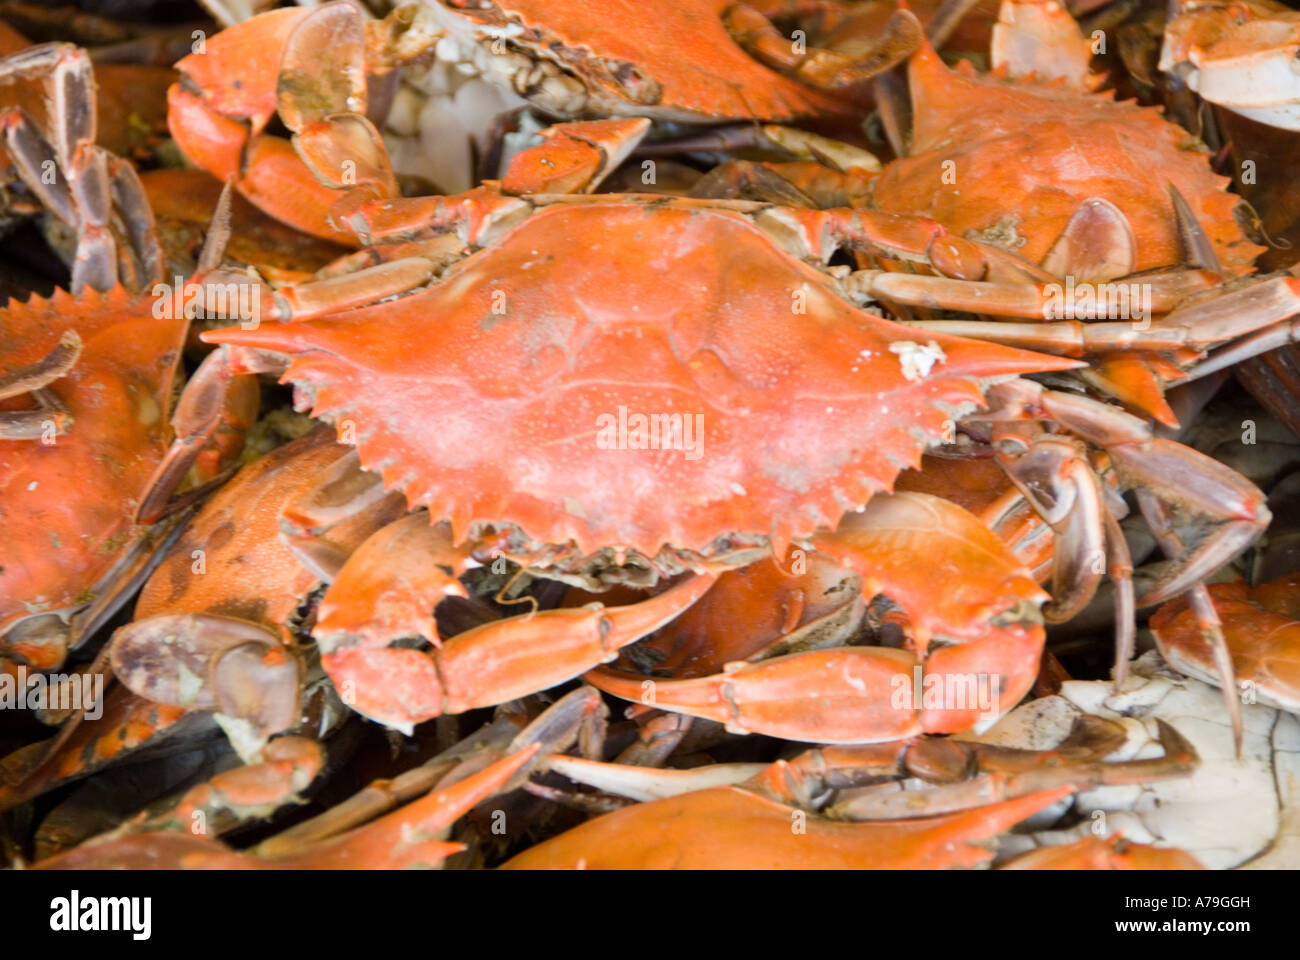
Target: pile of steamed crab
{"type": "Point", "coordinates": [685, 434]}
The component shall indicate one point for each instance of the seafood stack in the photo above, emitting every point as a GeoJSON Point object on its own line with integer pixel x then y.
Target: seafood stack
{"type": "Point", "coordinates": [679, 434]}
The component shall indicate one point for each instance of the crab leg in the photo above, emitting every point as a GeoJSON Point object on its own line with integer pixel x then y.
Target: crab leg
{"type": "Point", "coordinates": [496, 662]}
{"type": "Point", "coordinates": [217, 408]}
{"type": "Point", "coordinates": [409, 837]}
{"type": "Point", "coordinates": [1053, 475]}
{"type": "Point", "coordinates": [233, 797]}
{"type": "Point", "coordinates": [957, 775]}
{"type": "Point", "coordinates": [555, 729]}
{"type": "Point", "coordinates": [986, 611]}
{"type": "Point", "coordinates": [1163, 291]}
{"type": "Point", "coordinates": [1173, 472]}
{"type": "Point", "coordinates": [78, 182]}
{"type": "Point", "coordinates": [1006, 774]}
{"type": "Point", "coordinates": [203, 661]}
{"type": "Point", "coordinates": [842, 67]}
{"type": "Point", "coordinates": [574, 158]}
{"type": "Point", "coordinates": [1198, 598]}
{"type": "Point", "coordinates": [50, 414]}
{"type": "Point", "coordinates": [1263, 304]}
{"type": "Point", "coordinates": [842, 695]}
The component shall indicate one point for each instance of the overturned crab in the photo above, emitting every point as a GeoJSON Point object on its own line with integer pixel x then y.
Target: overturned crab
{"type": "Point", "coordinates": [1240, 55]}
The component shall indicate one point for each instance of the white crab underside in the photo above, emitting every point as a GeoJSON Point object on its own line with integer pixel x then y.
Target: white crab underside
{"type": "Point", "coordinates": [1264, 89]}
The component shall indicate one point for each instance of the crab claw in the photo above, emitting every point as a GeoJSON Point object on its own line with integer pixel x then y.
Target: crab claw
{"type": "Point", "coordinates": [498, 661]}
{"type": "Point", "coordinates": [969, 592]}
{"type": "Point", "coordinates": [843, 695]}
{"type": "Point", "coordinates": [390, 585]}
{"type": "Point", "coordinates": [203, 661]}
{"type": "Point", "coordinates": [575, 157]}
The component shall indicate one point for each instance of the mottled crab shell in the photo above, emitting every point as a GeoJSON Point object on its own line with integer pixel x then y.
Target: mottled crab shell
{"type": "Point", "coordinates": [249, 572]}
{"type": "Point", "coordinates": [671, 60]}
{"type": "Point", "coordinates": [484, 396]}
{"type": "Point", "coordinates": [1024, 156]}
{"type": "Point", "coordinates": [66, 507]}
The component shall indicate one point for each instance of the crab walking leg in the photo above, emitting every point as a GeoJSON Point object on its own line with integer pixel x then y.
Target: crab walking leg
{"type": "Point", "coordinates": [77, 181]}
{"type": "Point", "coordinates": [1162, 525]}
{"type": "Point", "coordinates": [644, 784]}
{"type": "Point", "coordinates": [498, 661]}
{"type": "Point", "coordinates": [1174, 473]}
{"type": "Point", "coordinates": [1005, 774]}
{"type": "Point", "coordinates": [1053, 475]}
{"type": "Point", "coordinates": [731, 828]}
{"type": "Point", "coordinates": [50, 418]}
{"type": "Point", "coordinates": [826, 68]}
{"type": "Point", "coordinates": [1041, 301]}
{"type": "Point", "coordinates": [1264, 305]}
{"type": "Point", "coordinates": [217, 408]}
{"type": "Point", "coordinates": [555, 729]}
{"type": "Point", "coordinates": [911, 239]}
{"type": "Point", "coordinates": [958, 775]}
{"type": "Point", "coordinates": [79, 194]}
{"type": "Point", "coordinates": [408, 837]}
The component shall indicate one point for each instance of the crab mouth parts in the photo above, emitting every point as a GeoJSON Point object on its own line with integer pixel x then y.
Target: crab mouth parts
{"type": "Point", "coordinates": [444, 114]}
{"type": "Point", "coordinates": [480, 71]}
{"type": "Point", "coordinates": [606, 567]}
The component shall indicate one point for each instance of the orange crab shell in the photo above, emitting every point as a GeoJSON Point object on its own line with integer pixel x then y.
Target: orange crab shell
{"type": "Point", "coordinates": [1112, 853]}
{"type": "Point", "coordinates": [674, 60]}
{"type": "Point", "coordinates": [730, 828]}
{"type": "Point", "coordinates": [66, 507]}
{"type": "Point", "coordinates": [506, 391]}
{"type": "Point", "coordinates": [1261, 625]}
{"type": "Point", "coordinates": [1024, 156]}
{"type": "Point", "coordinates": [248, 572]}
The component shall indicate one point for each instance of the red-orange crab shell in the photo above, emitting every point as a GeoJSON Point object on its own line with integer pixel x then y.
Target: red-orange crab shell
{"type": "Point", "coordinates": [1024, 156]}
{"type": "Point", "coordinates": [66, 507]}
{"type": "Point", "coordinates": [248, 572]}
{"type": "Point", "coordinates": [1262, 628]}
{"type": "Point", "coordinates": [622, 307]}
{"type": "Point", "coordinates": [671, 61]}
